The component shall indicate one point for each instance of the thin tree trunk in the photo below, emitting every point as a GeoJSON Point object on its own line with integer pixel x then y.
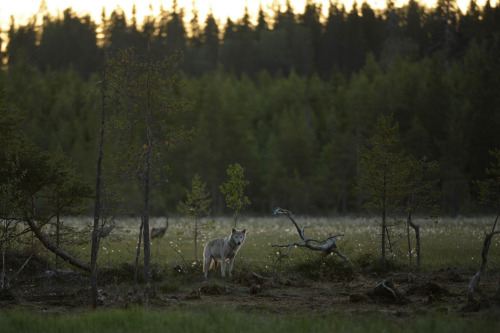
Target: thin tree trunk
{"type": "Point", "coordinates": [97, 203]}
{"type": "Point", "coordinates": [4, 249]}
{"type": "Point", "coordinates": [138, 254]}
{"type": "Point", "coordinates": [416, 227]}
{"type": "Point", "coordinates": [196, 239]}
{"type": "Point", "coordinates": [384, 222]}
{"type": "Point", "coordinates": [495, 224]}
{"type": "Point", "coordinates": [408, 221]}
{"type": "Point", "coordinates": [484, 255]}
{"type": "Point", "coordinates": [384, 226]}
{"type": "Point", "coordinates": [58, 239]}
{"type": "Point", "coordinates": [146, 178]}
{"type": "Point", "coordinates": [389, 241]}
{"type": "Point", "coordinates": [145, 222]}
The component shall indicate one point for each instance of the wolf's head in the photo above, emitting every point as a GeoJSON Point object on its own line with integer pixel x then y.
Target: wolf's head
{"type": "Point", "coordinates": [238, 236]}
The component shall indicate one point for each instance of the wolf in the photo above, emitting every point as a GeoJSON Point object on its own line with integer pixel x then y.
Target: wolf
{"type": "Point", "coordinates": [222, 249]}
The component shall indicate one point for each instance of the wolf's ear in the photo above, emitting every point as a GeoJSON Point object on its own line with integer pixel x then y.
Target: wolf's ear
{"type": "Point", "coordinates": [244, 230]}
{"type": "Point", "coordinates": [233, 231]}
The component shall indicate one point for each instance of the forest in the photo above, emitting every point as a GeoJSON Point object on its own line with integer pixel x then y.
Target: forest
{"type": "Point", "coordinates": [292, 97]}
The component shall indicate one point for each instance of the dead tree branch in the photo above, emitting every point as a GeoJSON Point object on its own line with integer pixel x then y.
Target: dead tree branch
{"type": "Point", "coordinates": [326, 246]}
{"type": "Point", "coordinates": [56, 249]}
{"type": "Point", "coordinates": [386, 287]}
{"type": "Point", "coordinates": [484, 254]}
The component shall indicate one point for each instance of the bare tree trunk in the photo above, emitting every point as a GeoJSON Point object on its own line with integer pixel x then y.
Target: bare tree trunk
{"type": "Point", "coordinates": [97, 203]}
{"type": "Point", "coordinates": [484, 255]}
{"type": "Point", "coordinates": [56, 249]}
{"type": "Point", "coordinates": [497, 293]}
{"type": "Point", "coordinates": [389, 242]}
{"type": "Point", "coordinates": [417, 240]}
{"type": "Point", "coordinates": [145, 229]}
{"type": "Point", "coordinates": [4, 249]}
{"type": "Point", "coordinates": [196, 239]}
{"type": "Point", "coordinates": [146, 178]}
{"type": "Point", "coordinates": [383, 241]}
{"type": "Point", "coordinates": [58, 231]}
{"type": "Point", "coordinates": [384, 222]}
{"type": "Point", "coordinates": [408, 221]}
{"type": "Point", "coordinates": [495, 224]}
{"type": "Point", "coordinates": [138, 254]}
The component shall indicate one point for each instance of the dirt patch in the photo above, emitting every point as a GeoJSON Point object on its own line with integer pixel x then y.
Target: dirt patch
{"type": "Point", "coordinates": [399, 293]}
{"type": "Point", "coordinates": [429, 289]}
{"type": "Point", "coordinates": [214, 289]}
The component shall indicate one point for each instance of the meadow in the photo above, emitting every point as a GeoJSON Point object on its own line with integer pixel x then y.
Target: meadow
{"type": "Point", "coordinates": [301, 292]}
{"type": "Point", "coordinates": [446, 242]}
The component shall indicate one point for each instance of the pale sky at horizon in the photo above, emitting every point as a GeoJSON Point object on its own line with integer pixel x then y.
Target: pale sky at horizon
{"type": "Point", "coordinates": [23, 10]}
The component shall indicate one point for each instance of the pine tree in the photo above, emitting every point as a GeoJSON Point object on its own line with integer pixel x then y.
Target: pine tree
{"type": "Point", "coordinates": [197, 205]}
{"type": "Point", "coordinates": [147, 123]}
{"type": "Point", "coordinates": [234, 190]}
{"type": "Point", "coordinates": [381, 177]}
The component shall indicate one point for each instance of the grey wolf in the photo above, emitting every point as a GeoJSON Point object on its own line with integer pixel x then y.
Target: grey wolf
{"type": "Point", "coordinates": [222, 249]}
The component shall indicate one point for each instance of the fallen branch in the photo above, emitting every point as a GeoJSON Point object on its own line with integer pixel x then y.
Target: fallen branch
{"type": "Point", "coordinates": [326, 246]}
{"type": "Point", "coordinates": [386, 287]}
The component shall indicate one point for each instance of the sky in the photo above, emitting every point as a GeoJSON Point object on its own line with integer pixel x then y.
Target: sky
{"type": "Point", "coordinates": [23, 10]}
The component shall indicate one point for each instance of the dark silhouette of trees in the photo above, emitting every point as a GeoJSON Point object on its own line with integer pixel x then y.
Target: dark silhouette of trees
{"type": "Point", "coordinates": [291, 94]}
{"type": "Point", "coordinates": [22, 42]}
{"type": "Point", "coordinates": [75, 40]}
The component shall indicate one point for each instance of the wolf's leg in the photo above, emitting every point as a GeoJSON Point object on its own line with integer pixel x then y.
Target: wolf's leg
{"type": "Point", "coordinates": [206, 260]}
{"type": "Point", "coordinates": [231, 263]}
{"type": "Point", "coordinates": [207, 263]}
{"type": "Point", "coordinates": [223, 266]}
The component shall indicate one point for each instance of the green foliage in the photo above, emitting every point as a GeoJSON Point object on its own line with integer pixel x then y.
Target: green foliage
{"type": "Point", "coordinates": [420, 185]}
{"type": "Point", "coordinates": [197, 205]}
{"type": "Point", "coordinates": [38, 188]}
{"type": "Point", "coordinates": [221, 319]}
{"type": "Point", "coordinates": [198, 202]}
{"type": "Point", "coordinates": [48, 185]}
{"type": "Point", "coordinates": [393, 182]}
{"type": "Point", "coordinates": [234, 188]}
{"type": "Point", "coordinates": [147, 104]}
{"type": "Point", "coordinates": [381, 178]}
{"type": "Point", "coordinates": [293, 101]}
{"type": "Point", "coordinates": [489, 188]}
{"type": "Point", "coordinates": [40, 184]}
{"type": "Point", "coordinates": [148, 111]}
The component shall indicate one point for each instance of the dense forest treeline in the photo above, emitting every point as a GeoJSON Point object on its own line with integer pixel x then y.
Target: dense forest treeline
{"type": "Point", "coordinates": [292, 98]}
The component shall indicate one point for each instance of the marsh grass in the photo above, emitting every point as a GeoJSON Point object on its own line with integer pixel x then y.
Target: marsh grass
{"type": "Point", "coordinates": [222, 320]}
{"type": "Point", "coordinates": [446, 243]}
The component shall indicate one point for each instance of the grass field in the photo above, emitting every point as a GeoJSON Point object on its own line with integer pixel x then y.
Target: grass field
{"type": "Point", "coordinates": [300, 297]}
{"type": "Point", "coordinates": [445, 242]}
{"type": "Point", "coordinates": [143, 320]}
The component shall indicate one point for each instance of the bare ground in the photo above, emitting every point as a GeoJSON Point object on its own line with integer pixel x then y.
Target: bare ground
{"type": "Point", "coordinates": [359, 291]}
